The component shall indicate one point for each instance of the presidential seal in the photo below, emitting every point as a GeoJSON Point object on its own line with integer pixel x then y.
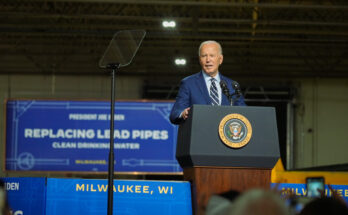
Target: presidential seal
{"type": "Point", "coordinates": [235, 130]}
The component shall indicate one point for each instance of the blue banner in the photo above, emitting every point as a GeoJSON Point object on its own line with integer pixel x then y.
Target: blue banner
{"type": "Point", "coordinates": [49, 135]}
{"type": "Point", "coordinates": [26, 195]}
{"type": "Point", "coordinates": [89, 196]}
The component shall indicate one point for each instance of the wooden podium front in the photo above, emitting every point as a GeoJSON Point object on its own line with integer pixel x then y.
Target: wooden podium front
{"type": "Point", "coordinates": [213, 167]}
{"type": "Point", "coordinates": [207, 181]}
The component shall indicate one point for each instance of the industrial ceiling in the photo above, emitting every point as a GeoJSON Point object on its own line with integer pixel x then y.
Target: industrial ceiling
{"type": "Point", "coordinates": [260, 38]}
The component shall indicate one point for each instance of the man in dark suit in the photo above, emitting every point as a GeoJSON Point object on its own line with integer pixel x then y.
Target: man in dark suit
{"type": "Point", "coordinates": [203, 87]}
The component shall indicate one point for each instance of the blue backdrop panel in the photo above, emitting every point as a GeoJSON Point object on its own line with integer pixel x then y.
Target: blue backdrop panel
{"type": "Point", "coordinates": [89, 196]}
{"type": "Point", "coordinates": [53, 135]}
{"type": "Point", "coordinates": [26, 195]}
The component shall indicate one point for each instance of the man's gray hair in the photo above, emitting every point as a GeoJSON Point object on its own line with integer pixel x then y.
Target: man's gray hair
{"type": "Point", "coordinates": [258, 202]}
{"type": "Point", "coordinates": [209, 41]}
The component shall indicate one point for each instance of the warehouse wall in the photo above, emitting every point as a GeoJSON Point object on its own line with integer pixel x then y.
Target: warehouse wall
{"type": "Point", "coordinates": [321, 123]}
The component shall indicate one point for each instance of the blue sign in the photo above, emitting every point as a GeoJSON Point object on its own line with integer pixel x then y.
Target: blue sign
{"type": "Point", "coordinates": [48, 135]}
{"type": "Point", "coordinates": [89, 196]}
{"type": "Point", "coordinates": [26, 195]}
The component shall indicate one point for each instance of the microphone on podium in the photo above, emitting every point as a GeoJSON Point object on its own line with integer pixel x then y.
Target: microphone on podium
{"type": "Point", "coordinates": [237, 89]}
{"type": "Point", "coordinates": [225, 91]}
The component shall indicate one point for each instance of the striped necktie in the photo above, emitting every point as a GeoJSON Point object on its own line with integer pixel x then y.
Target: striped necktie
{"type": "Point", "coordinates": [214, 93]}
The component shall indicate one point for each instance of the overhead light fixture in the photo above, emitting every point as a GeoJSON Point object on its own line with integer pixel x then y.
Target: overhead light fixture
{"type": "Point", "coordinates": [168, 24]}
{"type": "Point", "coordinates": [180, 61]}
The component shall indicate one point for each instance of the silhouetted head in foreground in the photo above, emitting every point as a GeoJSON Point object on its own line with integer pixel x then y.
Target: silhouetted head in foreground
{"type": "Point", "coordinates": [325, 206]}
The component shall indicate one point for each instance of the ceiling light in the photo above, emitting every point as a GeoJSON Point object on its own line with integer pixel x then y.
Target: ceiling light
{"type": "Point", "coordinates": [180, 61]}
{"type": "Point", "coordinates": [169, 24]}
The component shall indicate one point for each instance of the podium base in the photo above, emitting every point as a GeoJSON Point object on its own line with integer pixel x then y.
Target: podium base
{"type": "Point", "coordinates": [207, 181]}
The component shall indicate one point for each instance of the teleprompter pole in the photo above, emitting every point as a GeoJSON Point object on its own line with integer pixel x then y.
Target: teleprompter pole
{"type": "Point", "coordinates": [113, 67]}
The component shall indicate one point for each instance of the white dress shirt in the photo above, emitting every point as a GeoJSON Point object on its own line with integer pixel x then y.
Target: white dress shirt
{"type": "Point", "coordinates": [217, 83]}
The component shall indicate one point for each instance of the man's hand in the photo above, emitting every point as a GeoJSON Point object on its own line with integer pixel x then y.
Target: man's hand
{"type": "Point", "coordinates": [185, 113]}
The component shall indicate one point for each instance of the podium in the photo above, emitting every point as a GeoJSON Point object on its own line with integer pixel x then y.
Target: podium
{"type": "Point", "coordinates": [223, 148]}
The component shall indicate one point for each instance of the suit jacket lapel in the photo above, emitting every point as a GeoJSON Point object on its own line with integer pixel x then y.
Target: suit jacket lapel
{"type": "Point", "coordinates": [203, 88]}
